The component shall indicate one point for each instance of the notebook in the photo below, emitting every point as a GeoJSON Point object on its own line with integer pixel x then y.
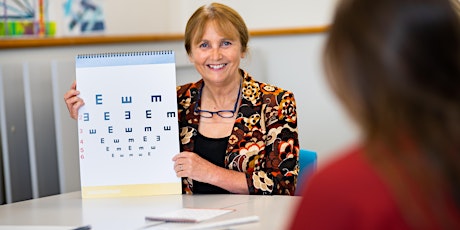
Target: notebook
{"type": "Point", "coordinates": [127, 129]}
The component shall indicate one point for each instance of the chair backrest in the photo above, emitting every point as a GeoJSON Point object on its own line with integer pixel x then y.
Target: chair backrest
{"type": "Point", "coordinates": [307, 165]}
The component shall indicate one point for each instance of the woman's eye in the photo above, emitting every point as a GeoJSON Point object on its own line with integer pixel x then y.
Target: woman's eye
{"type": "Point", "coordinates": [203, 45]}
{"type": "Point", "coordinates": [226, 43]}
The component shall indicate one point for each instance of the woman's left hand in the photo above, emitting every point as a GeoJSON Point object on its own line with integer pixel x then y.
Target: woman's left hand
{"type": "Point", "coordinates": [191, 165]}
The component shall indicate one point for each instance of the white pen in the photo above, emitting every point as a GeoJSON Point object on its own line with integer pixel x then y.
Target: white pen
{"type": "Point", "coordinates": [86, 227]}
{"type": "Point", "coordinates": [224, 223]}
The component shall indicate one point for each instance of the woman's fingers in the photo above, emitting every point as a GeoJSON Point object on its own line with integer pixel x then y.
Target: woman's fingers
{"type": "Point", "coordinates": [73, 103]}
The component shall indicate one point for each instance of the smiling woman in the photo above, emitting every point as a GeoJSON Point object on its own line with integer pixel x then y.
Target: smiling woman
{"type": "Point", "coordinates": [251, 146]}
{"type": "Point", "coordinates": [216, 39]}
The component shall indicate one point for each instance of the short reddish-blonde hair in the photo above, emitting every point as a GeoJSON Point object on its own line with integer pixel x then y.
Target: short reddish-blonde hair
{"type": "Point", "coordinates": [227, 21]}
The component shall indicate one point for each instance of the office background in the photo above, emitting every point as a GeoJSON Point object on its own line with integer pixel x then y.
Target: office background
{"type": "Point", "coordinates": [39, 146]}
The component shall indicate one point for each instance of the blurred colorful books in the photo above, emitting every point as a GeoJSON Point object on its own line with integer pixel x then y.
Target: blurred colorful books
{"type": "Point", "coordinates": [21, 28]}
{"type": "Point", "coordinates": [19, 18]}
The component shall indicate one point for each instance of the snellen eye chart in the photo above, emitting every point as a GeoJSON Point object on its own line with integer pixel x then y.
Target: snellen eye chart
{"type": "Point", "coordinates": [128, 128]}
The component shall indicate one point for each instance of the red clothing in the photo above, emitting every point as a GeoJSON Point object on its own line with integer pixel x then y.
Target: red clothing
{"type": "Point", "coordinates": [348, 194]}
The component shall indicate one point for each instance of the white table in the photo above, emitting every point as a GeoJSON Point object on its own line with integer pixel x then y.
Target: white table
{"type": "Point", "coordinates": [128, 213]}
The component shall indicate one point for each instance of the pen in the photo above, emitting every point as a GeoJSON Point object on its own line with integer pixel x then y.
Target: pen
{"type": "Point", "coordinates": [86, 227]}
{"type": "Point", "coordinates": [224, 223]}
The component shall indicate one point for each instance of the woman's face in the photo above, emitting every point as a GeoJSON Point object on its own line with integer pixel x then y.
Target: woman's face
{"type": "Point", "coordinates": [216, 57]}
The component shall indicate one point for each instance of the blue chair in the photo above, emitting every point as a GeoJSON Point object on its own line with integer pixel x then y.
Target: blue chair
{"type": "Point", "coordinates": [307, 166]}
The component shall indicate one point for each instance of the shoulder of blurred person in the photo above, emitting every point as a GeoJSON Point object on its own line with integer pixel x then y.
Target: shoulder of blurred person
{"type": "Point", "coordinates": [348, 193]}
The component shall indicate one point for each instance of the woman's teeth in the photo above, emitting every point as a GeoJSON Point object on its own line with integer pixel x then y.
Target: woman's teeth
{"type": "Point", "coordinates": [216, 66]}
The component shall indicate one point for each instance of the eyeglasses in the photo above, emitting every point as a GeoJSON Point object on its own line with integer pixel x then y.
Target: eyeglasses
{"type": "Point", "coordinates": [220, 113]}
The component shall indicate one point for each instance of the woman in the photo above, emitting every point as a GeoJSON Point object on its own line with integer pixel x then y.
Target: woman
{"type": "Point", "coordinates": [395, 66]}
{"type": "Point", "coordinates": [237, 135]}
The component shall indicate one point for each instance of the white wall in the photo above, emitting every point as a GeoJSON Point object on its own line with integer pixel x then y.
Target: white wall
{"type": "Point", "coordinates": [160, 16]}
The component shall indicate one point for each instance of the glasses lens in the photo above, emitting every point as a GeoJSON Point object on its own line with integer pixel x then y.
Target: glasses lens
{"type": "Point", "coordinates": [225, 114]}
{"type": "Point", "coordinates": [205, 114]}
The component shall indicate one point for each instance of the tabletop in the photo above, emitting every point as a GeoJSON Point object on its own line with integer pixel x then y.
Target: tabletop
{"type": "Point", "coordinates": [70, 210]}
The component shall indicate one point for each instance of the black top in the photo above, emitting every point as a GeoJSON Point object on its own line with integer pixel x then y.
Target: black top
{"type": "Point", "coordinates": [212, 150]}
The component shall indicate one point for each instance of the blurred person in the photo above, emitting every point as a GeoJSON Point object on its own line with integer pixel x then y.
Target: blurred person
{"type": "Point", "coordinates": [395, 67]}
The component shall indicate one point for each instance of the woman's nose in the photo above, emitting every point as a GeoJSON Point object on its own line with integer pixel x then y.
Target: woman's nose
{"type": "Point", "coordinates": [216, 54]}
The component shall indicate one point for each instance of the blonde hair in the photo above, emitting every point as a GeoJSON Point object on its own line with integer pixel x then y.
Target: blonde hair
{"type": "Point", "coordinates": [227, 21]}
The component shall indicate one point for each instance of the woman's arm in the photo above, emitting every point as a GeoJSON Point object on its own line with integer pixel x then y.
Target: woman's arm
{"type": "Point", "coordinates": [276, 170]}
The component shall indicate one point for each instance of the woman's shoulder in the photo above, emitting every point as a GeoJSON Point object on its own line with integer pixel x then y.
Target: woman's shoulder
{"type": "Point", "coordinates": [358, 181]}
{"type": "Point", "coordinates": [188, 89]}
{"type": "Point", "coordinates": [350, 165]}
{"type": "Point", "coordinates": [262, 89]}
{"type": "Point", "coordinates": [348, 193]}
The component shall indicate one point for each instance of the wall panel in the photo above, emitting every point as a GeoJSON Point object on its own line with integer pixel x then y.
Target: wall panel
{"type": "Point", "coordinates": [41, 131]}
{"type": "Point", "coordinates": [18, 181]}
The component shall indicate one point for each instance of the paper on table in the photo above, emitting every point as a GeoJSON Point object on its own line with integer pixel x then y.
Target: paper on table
{"type": "Point", "coordinates": [189, 215]}
{"type": "Point", "coordinates": [36, 227]}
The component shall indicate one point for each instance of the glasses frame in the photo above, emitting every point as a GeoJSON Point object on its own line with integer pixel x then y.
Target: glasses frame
{"type": "Point", "coordinates": [219, 112]}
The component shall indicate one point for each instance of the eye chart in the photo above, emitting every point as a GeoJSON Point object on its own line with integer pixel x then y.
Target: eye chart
{"type": "Point", "coordinates": [128, 128]}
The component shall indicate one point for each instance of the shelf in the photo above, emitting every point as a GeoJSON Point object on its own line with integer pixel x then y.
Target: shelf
{"type": "Point", "coordinates": [16, 43]}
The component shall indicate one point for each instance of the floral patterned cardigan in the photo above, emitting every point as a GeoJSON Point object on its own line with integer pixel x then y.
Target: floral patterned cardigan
{"type": "Point", "coordinates": [264, 142]}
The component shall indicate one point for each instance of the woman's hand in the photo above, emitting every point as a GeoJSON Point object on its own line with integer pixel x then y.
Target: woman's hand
{"type": "Point", "coordinates": [189, 164]}
{"type": "Point", "coordinates": [72, 100]}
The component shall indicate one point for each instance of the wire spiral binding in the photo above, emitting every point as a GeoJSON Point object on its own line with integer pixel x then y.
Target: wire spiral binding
{"type": "Point", "coordinates": [124, 54]}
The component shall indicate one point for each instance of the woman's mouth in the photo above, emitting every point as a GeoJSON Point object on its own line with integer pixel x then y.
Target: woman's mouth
{"type": "Point", "coordinates": [216, 67]}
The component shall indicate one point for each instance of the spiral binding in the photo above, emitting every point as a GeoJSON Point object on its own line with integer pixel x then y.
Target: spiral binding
{"type": "Point", "coordinates": [125, 54]}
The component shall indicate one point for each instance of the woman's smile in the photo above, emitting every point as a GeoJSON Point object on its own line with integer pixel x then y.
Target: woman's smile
{"type": "Point", "coordinates": [216, 66]}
